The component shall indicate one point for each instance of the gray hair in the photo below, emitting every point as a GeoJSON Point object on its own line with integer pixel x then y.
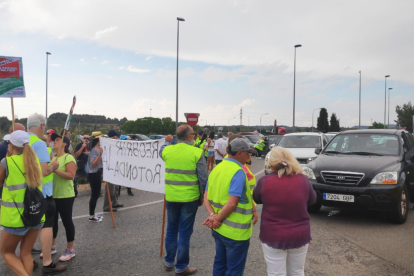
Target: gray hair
{"type": "Point", "coordinates": [35, 120]}
{"type": "Point", "coordinates": [219, 135]}
{"type": "Point", "coordinates": [182, 132]}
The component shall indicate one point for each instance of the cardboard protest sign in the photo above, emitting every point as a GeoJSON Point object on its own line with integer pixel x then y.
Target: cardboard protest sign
{"type": "Point", "coordinates": [11, 77]}
{"type": "Point", "coordinates": [135, 164]}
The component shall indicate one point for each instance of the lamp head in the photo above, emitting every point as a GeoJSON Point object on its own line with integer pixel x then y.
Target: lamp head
{"type": "Point", "coordinates": [47, 53]}
{"type": "Point", "coordinates": [180, 19]}
{"type": "Point", "coordinates": [389, 88]}
{"type": "Point", "coordinates": [298, 45]}
{"type": "Point", "coordinates": [387, 76]}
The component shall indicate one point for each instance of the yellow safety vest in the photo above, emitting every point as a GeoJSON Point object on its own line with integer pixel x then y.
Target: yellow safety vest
{"type": "Point", "coordinates": [181, 180]}
{"type": "Point", "coordinates": [14, 189]}
{"type": "Point", "coordinates": [237, 226]}
{"type": "Point", "coordinates": [202, 148]}
{"type": "Point", "coordinates": [260, 145]}
{"type": "Point", "coordinates": [197, 142]}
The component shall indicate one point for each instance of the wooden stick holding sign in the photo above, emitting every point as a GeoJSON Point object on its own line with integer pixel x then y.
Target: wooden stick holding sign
{"type": "Point", "coordinates": [12, 107]}
{"type": "Point", "coordinates": [110, 204]}
{"type": "Point", "coordinates": [163, 228]}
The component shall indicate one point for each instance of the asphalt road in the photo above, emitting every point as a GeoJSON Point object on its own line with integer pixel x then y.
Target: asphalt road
{"type": "Point", "coordinates": [344, 242]}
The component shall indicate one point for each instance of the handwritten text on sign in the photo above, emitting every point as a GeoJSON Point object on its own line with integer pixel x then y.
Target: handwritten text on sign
{"type": "Point", "coordinates": [135, 164]}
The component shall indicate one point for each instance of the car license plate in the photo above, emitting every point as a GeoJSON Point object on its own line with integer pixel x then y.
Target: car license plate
{"type": "Point", "coordinates": [336, 197]}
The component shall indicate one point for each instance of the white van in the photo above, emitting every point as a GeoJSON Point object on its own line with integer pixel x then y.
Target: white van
{"type": "Point", "coordinates": [302, 145]}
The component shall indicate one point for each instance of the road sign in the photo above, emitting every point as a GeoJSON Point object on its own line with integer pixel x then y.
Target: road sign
{"type": "Point", "coordinates": [192, 118]}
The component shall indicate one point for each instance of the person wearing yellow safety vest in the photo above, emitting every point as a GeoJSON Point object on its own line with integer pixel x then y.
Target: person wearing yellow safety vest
{"type": "Point", "coordinates": [4, 146]}
{"type": "Point", "coordinates": [197, 140]}
{"type": "Point", "coordinates": [228, 201]}
{"type": "Point", "coordinates": [203, 146]}
{"type": "Point", "coordinates": [260, 147]}
{"type": "Point", "coordinates": [19, 171]}
{"type": "Point", "coordinates": [185, 180]}
{"type": "Point", "coordinates": [36, 124]}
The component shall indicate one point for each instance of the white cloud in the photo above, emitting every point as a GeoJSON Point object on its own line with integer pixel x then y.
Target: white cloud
{"type": "Point", "coordinates": [148, 58]}
{"type": "Point", "coordinates": [121, 68]}
{"type": "Point", "coordinates": [55, 64]}
{"type": "Point", "coordinates": [105, 62]}
{"type": "Point", "coordinates": [136, 70]}
{"type": "Point", "coordinates": [101, 33]}
{"type": "Point", "coordinates": [82, 60]}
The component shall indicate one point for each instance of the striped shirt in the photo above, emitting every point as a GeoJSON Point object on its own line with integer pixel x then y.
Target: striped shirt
{"type": "Point", "coordinates": [93, 154]}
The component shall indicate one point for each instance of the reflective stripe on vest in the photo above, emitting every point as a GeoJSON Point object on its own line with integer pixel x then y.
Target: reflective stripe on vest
{"type": "Point", "coordinates": [237, 210]}
{"type": "Point", "coordinates": [14, 191]}
{"type": "Point", "coordinates": [181, 180]}
{"type": "Point", "coordinates": [238, 225]}
{"type": "Point", "coordinates": [48, 178]}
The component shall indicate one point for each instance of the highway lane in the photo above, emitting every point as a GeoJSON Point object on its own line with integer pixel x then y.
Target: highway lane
{"type": "Point", "coordinates": [344, 242]}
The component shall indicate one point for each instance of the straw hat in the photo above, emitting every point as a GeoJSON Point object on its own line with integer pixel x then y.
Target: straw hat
{"type": "Point", "coordinates": [96, 134]}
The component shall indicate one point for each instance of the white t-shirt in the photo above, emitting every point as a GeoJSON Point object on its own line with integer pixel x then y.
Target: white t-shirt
{"type": "Point", "coordinates": [221, 145]}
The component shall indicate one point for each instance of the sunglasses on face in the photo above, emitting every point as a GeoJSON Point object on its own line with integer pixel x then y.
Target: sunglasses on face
{"type": "Point", "coordinates": [48, 133]}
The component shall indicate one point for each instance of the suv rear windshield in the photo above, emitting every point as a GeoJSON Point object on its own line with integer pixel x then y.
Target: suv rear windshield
{"type": "Point", "coordinates": [365, 144]}
{"type": "Point", "coordinates": [300, 141]}
{"type": "Point", "coordinates": [253, 138]}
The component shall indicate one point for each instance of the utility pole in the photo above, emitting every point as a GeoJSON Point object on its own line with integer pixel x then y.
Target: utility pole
{"type": "Point", "coordinates": [241, 118]}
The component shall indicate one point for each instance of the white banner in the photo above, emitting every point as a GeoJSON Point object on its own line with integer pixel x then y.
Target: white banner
{"type": "Point", "coordinates": [135, 164]}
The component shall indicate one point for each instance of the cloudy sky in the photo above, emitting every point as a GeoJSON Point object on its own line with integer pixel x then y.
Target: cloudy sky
{"type": "Point", "coordinates": [119, 57]}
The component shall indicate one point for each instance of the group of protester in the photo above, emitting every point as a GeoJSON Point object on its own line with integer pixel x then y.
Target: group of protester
{"type": "Point", "coordinates": [229, 194]}
{"type": "Point", "coordinates": [34, 164]}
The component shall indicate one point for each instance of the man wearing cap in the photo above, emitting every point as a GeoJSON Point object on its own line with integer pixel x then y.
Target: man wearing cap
{"type": "Point", "coordinates": [185, 179]}
{"type": "Point", "coordinates": [112, 134]}
{"type": "Point", "coordinates": [4, 145]}
{"type": "Point", "coordinates": [81, 155]}
{"type": "Point", "coordinates": [36, 128]}
{"type": "Point", "coordinates": [228, 201]}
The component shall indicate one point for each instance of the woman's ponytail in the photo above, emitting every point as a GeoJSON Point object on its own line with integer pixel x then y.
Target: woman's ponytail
{"type": "Point", "coordinates": [31, 167]}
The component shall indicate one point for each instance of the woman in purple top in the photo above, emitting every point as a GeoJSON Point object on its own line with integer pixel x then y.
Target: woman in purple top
{"type": "Point", "coordinates": [284, 228]}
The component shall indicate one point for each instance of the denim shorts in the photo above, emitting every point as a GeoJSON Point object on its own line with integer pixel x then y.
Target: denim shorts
{"type": "Point", "coordinates": [22, 231]}
{"type": "Point", "coordinates": [211, 153]}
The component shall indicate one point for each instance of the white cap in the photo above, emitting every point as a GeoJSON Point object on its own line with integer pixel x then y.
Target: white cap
{"type": "Point", "coordinates": [19, 138]}
{"type": "Point", "coordinates": [6, 137]}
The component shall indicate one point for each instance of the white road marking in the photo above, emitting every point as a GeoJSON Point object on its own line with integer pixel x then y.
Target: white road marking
{"type": "Point", "coordinates": [122, 209]}
{"type": "Point", "coordinates": [135, 206]}
{"type": "Point", "coordinates": [258, 173]}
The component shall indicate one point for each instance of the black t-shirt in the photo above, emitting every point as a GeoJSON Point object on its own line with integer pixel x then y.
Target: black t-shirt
{"type": "Point", "coordinates": [83, 157]}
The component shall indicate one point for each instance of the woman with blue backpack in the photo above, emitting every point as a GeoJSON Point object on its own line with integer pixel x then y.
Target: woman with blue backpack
{"type": "Point", "coordinates": [21, 177]}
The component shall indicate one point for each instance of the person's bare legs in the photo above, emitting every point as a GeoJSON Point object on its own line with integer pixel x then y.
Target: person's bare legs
{"type": "Point", "coordinates": [46, 237]}
{"type": "Point", "coordinates": [8, 245]}
{"type": "Point", "coordinates": [26, 250]}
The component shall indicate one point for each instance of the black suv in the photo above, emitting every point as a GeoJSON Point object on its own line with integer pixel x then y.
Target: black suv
{"type": "Point", "coordinates": [372, 169]}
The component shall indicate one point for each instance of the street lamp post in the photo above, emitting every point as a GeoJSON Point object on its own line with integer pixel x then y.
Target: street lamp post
{"type": "Point", "coordinates": [294, 84]}
{"type": "Point", "coordinates": [228, 123]}
{"type": "Point", "coordinates": [261, 121]}
{"type": "Point", "coordinates": [150, 112]}
{"type": "Point", "coordinates": [389, 92]}
{"type": "Point", "coordinates": [176, 106]}
{"type": "Point", "coordinates": [385, 103]}
{"type": "Point", "coordinates": [359, 99]}
{"type": "Point", "coordinates": [47, 75]}
{"type": "Point", "coordinates": [312, 116]}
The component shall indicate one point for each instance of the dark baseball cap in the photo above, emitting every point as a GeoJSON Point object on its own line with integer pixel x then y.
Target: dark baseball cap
{"type": "Point", "coordinates": [113, 133]}
{"type": "Point", "coordinates": [65, 139]}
